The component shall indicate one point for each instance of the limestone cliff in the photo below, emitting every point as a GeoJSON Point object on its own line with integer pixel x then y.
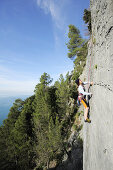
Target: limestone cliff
{"type": "Point", "coordinates": [98, 136]}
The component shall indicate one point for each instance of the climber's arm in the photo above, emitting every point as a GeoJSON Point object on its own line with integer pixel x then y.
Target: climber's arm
{"type": "Point", "coordinates": [81, 90]}
{"type": "Point", "coordinates": [84, 83]}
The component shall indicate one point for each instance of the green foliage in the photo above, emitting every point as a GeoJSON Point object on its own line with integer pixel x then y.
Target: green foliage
{"type": "Point", "coordinates": [17, 150]}
{"type": "Point", "coordinates": [80, 141]}
{"type": "Point", "coordinates": [36, 130]}
{"type": "Point", "coordinates": [62, 93]}
{"type": "Point", "coordinates": [66, 93]}
{"type": "Point", "coordinates": [77, 123]}
{"type": "Point", "coordinates": [22, 136]}
{"type": "Point", "coordinates": [94, 41]}
{"type": "Point", "coordinates": [46, 123]}
{"type": "Point", "coordinates": [95, 66]}
{"type": "Point", "coordinates": [80, 62]}
{"type": "Point", "coordinates": [87, 19]}
{"type": "Point", "coordinates": [75, 41]}
{"type": "Point", "coordinates": [78, 49]}
{"type": "Point", "coordinates": [5, 135]}
{"type": "Point", "coordinates": [45, 79]}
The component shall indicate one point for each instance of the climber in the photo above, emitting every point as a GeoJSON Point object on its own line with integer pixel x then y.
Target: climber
{"type": "Point", "coordinates": [81, 97]}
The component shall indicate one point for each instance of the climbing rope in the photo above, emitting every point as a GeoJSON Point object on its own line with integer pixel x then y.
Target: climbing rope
{"type": "Point", "coordinates": [90, 66]}
{"type": "Point", "coordinates": [90, 59]}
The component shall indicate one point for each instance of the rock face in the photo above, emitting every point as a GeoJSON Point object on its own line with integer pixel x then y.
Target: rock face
{"type": "Point", "coordinates": [98, 136]}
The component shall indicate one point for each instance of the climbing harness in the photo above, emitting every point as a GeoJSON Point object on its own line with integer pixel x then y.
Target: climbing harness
{"type": "Point", "coordinates": [80, 97]}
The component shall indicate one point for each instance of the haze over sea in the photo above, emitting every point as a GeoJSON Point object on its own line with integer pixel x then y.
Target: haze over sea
{"type": "Point", "coordinates": [5, 105]}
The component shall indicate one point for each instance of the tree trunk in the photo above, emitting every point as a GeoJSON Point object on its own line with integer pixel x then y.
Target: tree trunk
{"type": "Point", "coordinates": [48, 164]}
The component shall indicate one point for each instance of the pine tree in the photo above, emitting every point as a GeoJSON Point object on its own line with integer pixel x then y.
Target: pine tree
{"type": "Point", "coordinates": [87, 19]}
{"type": "Point", "coordinates": [62, 93]}
{"type": "Point", "coordinates": [75, 41]}
{"type": "Point", "coordinates": [77, 49]}
{"type": "Point", "coordinates": [7, 160]}
{"type": "Point", "coordinates": [22, 137]}
{"type": "Point", "coordinates": [46, 122]}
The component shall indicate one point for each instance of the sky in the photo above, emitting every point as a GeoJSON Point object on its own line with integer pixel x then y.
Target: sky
{"type": "Point", "coordinates": [33, 37]}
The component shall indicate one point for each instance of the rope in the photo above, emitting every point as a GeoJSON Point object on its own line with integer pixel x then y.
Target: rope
{"type": "Point", "coordinates": [90, 59]}
{"type": "Point", "coordinates": [90, 66]}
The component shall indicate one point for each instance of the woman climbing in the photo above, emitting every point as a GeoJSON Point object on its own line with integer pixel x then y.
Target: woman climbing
{"type": "Point", "coordinates": [81, 97]}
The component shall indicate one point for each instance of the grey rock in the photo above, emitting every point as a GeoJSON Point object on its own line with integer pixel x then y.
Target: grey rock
{"type": "Point", "coordinates": [98, 136]}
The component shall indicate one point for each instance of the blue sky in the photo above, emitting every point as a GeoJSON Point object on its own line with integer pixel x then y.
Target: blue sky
{"type": "Point", "coordinates": [33, 34]}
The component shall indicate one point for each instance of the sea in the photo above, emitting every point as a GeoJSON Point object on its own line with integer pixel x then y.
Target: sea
{"type": "Point", "coordinates": [5, 104]}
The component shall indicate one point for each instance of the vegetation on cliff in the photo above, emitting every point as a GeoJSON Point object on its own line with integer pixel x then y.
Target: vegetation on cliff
{"type": "Point", "coordinates": [87, 19]}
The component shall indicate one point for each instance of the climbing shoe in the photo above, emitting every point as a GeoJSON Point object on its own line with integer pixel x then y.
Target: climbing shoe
{"type": "Point", "coordinates": [87, 120]}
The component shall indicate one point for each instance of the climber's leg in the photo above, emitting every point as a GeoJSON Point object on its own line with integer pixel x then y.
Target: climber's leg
{"type": "Point", "coordinates": [83, 101]}
{"type": "Point", "coordinates": [86, 113]}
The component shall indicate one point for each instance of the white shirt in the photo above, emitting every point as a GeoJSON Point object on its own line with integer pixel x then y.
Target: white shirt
{"type": "Point", "coordinates": [81, 89]}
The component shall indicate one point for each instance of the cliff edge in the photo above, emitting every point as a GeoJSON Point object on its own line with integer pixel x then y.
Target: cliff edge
{"type": "Point", "coordinates": [98, 136]}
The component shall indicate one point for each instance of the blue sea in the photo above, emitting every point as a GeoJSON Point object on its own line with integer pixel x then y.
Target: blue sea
{"type": "Point", "coordinates": [5, 105]}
